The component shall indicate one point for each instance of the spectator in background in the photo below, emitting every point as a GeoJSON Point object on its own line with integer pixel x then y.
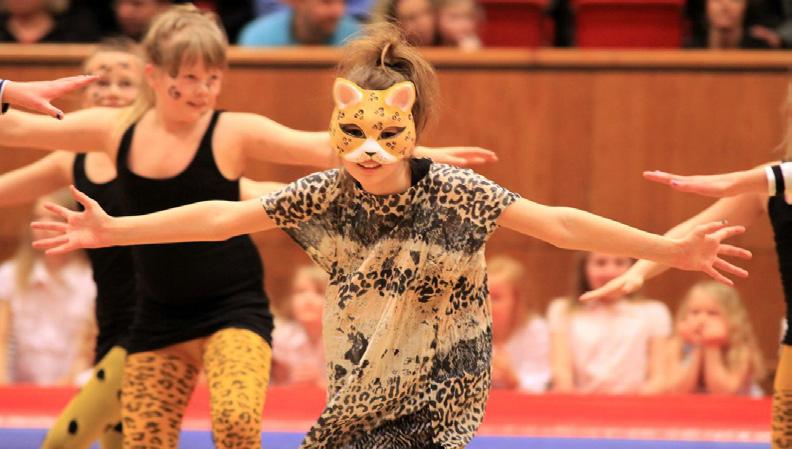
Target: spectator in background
{"type": "Point", "coordinates": [46, 306]}
{"type": "Point", "coordinates": [611, 346]}
{"type": "Point", "coordinates": [726, 26]}
{"type": "Point", "coordinates": [307, 22]}
{"type": "Point", "coordinates": [714, 349]}
{"type": "Point", "coordinates": [297, 351]}
{"type": "Point", "coordinates": [44, 21]}
{"type": "Point", "coordinates": [133, 16]}
{"type": "Point", "coordinates": [520, 341]}
{"type": "Point", "coordinates": [233, 14]}
{"type": "Point", "coordinates": [416, 19]}
{"type": "Point", "coordinates": [359, 9]}
{"type": "Point", "coordinates": [457, 23]}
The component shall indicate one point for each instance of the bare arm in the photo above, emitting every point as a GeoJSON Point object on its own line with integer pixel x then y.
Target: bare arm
{"type": "Point", "coordinates": [562, 380]}
{"type": "Point", "coordinates": [741, 210]}
{"type": "Point", "coordinates": [575, 229]}
{"type": "Point", "coordinates": [264, 139]}
{"type": "Point", "coordinates": [204, 221]}
{"type": "Point", "coordinates": [249, 189]}
{"type": "Point", "coordinates": [36, 95]}
{"type": "Point", "coordinates": [684, 375]}
{"type": "Point", "coordinates": [26, 184]}
{"type": "Point", "coordinates": [79, 132]}
{"type": "Point", "coordinates": [5, 334]}
{"type": "Point", "coordinates": [656, 379]}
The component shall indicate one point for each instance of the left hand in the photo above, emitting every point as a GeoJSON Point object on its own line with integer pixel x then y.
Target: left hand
{"type": "Point", "coordinates": [718, 186]}
{"type": "Point", "coordinates": [459, 156]}
{"type": "Point", "coordinates": [701, 248]}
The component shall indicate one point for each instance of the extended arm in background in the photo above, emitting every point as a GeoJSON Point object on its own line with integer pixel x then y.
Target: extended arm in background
{"type": "Point", "coordinates": [568, 228]}
{"type": "Point", "coordinates": [204, 221]}
{"type": "Point", "coordinates": [36, 95]}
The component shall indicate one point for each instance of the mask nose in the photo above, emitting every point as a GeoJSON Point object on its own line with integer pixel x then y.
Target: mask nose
{"type": "Point", "coordinates": [370, 153]}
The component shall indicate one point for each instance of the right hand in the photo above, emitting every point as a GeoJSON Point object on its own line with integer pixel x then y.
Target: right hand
{"type": "Point", "coordinates": [85, 229]}
{"type": "Point", "coordinates": [701, 248]}
{"type": "Point", "coordinates": [36, 95]}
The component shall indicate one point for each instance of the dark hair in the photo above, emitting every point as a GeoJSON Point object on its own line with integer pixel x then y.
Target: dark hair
{"type": "Point", "coordinates": [381, 57]}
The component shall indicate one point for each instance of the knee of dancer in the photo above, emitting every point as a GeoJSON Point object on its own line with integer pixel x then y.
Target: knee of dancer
{"type": "Point", "coordinates": [236, 428]}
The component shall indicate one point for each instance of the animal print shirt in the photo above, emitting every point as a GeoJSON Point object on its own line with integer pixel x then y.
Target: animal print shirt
{"type": "Point", "coordinates": [407, 323]}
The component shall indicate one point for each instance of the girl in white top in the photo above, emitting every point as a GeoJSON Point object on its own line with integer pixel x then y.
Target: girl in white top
{"type": "Point", "coordinates": [607, 347]}
{"type": "Point", "coordinates": [46, 346]}
{"type": "Point", "coordinates": [520, 340]}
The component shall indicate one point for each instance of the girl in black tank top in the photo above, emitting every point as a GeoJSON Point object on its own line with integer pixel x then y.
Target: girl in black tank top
{"type": "Point", "coordinates": [191, 290]}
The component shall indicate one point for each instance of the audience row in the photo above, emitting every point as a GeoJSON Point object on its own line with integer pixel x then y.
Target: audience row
{"type": "Point", "coordinates": [456, 23]}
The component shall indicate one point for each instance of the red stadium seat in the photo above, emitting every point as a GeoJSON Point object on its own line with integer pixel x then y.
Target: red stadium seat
{"type": "Point", "coordinates": [514, 23]}
{"type": "Point", "coordinates": [628, 23]}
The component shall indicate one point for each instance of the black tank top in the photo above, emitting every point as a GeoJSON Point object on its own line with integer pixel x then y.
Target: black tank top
{"type": "Point", "coordinates": [781, 218]}
{"type": "Point", "coordinates": [191, 290]}
{"type": "Point", "coordinates": [113, 270]}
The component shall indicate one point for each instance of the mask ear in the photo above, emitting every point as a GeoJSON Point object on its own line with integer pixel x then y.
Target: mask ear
{"type": "Point", "coordinates": [401, 95]}
{"type": "Point", "coordinates": [346, 93]}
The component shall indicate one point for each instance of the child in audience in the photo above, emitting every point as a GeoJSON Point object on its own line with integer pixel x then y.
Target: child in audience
{"type": "Point", "coordinates": [46, 304]}
{"type": "Point", "coordinates": [457, 23]}
{"type": "Point", "coordinates": [607, 347]}
{"type": "Point", "coordinates": [520, 340]}
{"type": "Point", "coordinates": [297, 353]}
{"type": "Point", "coordinates": [714, 349]}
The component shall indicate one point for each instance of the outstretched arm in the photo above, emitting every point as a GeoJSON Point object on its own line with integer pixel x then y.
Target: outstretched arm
{"type": "Point", "coordinates": [204, 221]}
{"type": "Point", "coordinates": [575, 229]}
{"type": "Point", "coordinates": [26, 184]}
{"type": "Point", "coordinates": [264, 139]}
{"type": "Point", "coordinates": [718, 186]}
{"type": "Point", "coordinates": [36, 95]}
{"type": "Point", "coordinates": [741, 210]}
{"type": "Point", "coordinates": [79, 132]}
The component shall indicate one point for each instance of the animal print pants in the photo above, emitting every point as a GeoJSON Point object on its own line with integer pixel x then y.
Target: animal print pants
{"type": "Point", "coordinates": [95, 412]}
{"type": "Point", "coordinates": [782, 401]}
{"type": "Point", "coordinates": [158, 384]}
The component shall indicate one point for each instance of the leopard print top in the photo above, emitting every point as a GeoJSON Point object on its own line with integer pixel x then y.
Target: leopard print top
{"type": "Point", "coordinates": [407, 324]}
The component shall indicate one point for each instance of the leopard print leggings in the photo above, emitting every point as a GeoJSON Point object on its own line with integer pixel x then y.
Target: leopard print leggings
{"type": "Point", "coordinates": [95, 412]}
{"type": "Point", "coordinates": [158, 384]}
{"type": "Point", "coordinates": [782, 401]}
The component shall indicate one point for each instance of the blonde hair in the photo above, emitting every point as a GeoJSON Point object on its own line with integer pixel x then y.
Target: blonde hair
{"type": "Point", "coordinates": [513, 272]}
{"type": "Point", "coordinates": [25, 256]}
{"type": "Point", "coordinates": [119, 44]}
{"type": "Point", "coordinates": [182, 34]}
{"type": "Point", "coordinates": [742, 339]}
{"type": "Point", "coordinates": [381, 57]}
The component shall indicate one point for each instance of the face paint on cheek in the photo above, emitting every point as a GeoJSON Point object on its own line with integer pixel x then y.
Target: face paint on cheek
{"type": "Point", "coordinates": [174, 93]}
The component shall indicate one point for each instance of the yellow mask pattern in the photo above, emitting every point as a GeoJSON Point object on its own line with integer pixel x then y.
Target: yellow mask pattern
{"type": "Point", "coordinates": [373, 124]}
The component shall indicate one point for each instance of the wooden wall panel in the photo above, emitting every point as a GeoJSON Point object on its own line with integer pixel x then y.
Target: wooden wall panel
{"type": "Point", "coordinates": [571, 128]}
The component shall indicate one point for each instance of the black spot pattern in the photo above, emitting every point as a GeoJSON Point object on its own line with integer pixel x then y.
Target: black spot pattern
{"type": "Point", "coordinates": [409, 341]}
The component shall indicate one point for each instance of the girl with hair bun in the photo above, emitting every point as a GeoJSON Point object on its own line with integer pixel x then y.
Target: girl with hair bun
{"type": "Point", "coordinates": [407, 324]}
